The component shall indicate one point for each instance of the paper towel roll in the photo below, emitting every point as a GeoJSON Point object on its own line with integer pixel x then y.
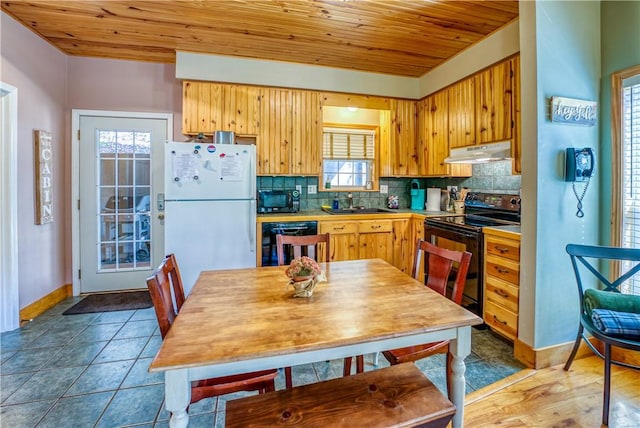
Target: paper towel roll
{"type": "Point", "coordinates": [433, 199]}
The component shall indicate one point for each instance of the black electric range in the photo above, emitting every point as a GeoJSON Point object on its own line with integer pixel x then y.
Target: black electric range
{"type": "Point", "coordinates": [465, 232]}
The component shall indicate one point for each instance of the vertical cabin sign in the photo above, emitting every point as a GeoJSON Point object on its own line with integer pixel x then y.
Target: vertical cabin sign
{"type": "Point", "coordinates": [44, 177]}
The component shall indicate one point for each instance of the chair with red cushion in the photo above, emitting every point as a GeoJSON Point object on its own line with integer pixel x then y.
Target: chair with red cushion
{"type": "Point", "coordinates": [159, 286]}
{"type": "Point", "coordinates": [310, 245]}
{"type": "Point", "coordinates": [439, 264]}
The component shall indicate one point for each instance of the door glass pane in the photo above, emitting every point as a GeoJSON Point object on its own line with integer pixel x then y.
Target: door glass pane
{"type": "Point", "coordinates": [124, 202]}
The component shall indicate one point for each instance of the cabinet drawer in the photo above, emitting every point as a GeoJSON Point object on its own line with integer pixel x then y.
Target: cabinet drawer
{"type": "Point", "coordinates": [501, 293]}
{"type": "Point", "coordinates": [501, 319]}
{"type": "Point", "coordinates": [374, 226]}
{"type": "Point", "coordinates": [336, 228]}
{"type": "Point", "coordinates": [506, 248]}
{"type": "Point", "coordinates": [504, 269]}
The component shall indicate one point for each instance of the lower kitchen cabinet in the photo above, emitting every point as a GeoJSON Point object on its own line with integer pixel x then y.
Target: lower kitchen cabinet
{"type": "Point", "coordinates": [501, 281]}
{"type": "Point", "coordinates": [344, 238]}
{"type": "Point", "coordinates": [375, 239]}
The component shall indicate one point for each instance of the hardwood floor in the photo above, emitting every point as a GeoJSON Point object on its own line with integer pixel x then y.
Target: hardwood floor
{"type": "Point", "coordinates": [555, 398]}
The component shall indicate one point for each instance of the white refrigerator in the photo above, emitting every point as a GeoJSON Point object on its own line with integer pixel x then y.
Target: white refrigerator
{"type": "Point", "coordinates": [210, 207]}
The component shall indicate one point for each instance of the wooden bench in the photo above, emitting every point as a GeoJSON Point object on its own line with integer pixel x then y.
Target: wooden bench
{"type": "Point", "coordinates": [397, 396]}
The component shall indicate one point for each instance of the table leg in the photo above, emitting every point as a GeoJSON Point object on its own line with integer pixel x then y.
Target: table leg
{"type": "Point", "coordinates": [459, 348]}
{"type": "Point", "coordinates": [177, 395]}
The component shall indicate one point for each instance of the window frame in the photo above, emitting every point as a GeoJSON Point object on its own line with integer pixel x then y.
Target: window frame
{"type": "Point", "coordinates": [375, 184]}
{"type": "Point", "coordinates": [617, 151]}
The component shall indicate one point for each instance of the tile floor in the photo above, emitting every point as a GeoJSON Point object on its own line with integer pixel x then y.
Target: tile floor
{"type": "Point", "coordinates": [90, 370]}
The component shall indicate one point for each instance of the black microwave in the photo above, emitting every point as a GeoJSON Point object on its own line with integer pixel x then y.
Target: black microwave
{"type": "Point", "coordinates": [278, 201]}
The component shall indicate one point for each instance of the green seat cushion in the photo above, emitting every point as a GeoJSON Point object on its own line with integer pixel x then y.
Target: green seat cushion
{"type": "Point", "coordinates": [598, 299]}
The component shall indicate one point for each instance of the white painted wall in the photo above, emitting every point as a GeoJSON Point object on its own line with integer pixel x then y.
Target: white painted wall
{"type": "Point", "coordinates": [220, 68]}
{"type": "Point", "coordinates": [39, 72]}
{"type": "Point", "coordinates": [492, 49]}
{"type": "Point", "coordinates": [560, 54]}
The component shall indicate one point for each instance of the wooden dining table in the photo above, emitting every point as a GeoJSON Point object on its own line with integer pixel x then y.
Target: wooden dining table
{"type": "Point", "coordinates": [243, 320]}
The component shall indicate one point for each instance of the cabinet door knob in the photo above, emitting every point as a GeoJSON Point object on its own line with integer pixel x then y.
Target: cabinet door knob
{"type": "Point", "coordinates": [161, 216]}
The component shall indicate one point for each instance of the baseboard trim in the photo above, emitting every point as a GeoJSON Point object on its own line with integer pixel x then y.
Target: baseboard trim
{"type": "Point", "coordinates": [38, 307]}
{"type": "Point", "coordinates": [558, 354]}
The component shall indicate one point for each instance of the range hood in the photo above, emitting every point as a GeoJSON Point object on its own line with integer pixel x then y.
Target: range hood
{"type": "Point", "coordinates": [481, 154]}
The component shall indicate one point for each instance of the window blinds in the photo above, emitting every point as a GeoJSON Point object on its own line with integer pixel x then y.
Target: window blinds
{"type": "Point", "coordinates": [631, 171]}
{"type": "Point", "coordinates": [348, 144]}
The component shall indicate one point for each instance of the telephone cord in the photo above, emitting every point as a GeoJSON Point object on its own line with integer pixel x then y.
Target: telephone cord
{"type": "Point", "coordinates": [580, 213]}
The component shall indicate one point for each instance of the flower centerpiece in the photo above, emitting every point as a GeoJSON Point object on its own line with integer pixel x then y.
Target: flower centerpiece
{"type": "Point", "coordinates": [304, 274]}
{"type": "Point", "coordinates": [303, 268]}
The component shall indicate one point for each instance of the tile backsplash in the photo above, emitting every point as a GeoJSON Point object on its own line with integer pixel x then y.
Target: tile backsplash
{"type": "Point", "coordinates": [490, 177]}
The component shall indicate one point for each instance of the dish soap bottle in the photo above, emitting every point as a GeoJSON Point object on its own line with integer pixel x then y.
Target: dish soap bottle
{"type": "Point", "coordinates": [336, 202]}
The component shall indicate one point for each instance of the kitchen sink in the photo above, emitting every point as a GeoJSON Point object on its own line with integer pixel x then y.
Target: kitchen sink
{"type": "Point", "coordinates": [355, 210]}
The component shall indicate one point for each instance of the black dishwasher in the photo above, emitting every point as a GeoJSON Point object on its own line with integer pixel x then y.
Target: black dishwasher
{"type": "Point", "coordinates": [271, 229]}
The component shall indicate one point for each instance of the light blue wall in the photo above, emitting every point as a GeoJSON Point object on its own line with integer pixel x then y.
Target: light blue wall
{"type": "Point", "coordinates": [560, 53]}
{"type": "Point", "coordinates": [620, 50]}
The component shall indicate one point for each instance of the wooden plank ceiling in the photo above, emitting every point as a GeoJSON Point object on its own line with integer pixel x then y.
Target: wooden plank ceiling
{"type": "Point", "coordinates": [399, 37]}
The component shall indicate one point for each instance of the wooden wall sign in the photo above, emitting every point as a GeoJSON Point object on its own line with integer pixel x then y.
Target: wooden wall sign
{"type": "Point", "coordinates": [44, 177]}
{"type": "Point", "coordinates": [569, 110]}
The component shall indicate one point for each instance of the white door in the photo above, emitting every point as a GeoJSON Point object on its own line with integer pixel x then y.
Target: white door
{"type": "Point", "coordinates": [121, 175]}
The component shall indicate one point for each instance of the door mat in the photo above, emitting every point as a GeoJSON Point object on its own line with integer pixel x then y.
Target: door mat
{"type": "Point", "coordinates": [110, 302]}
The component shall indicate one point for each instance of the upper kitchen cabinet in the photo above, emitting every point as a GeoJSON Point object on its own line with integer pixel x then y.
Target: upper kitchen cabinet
{"type": "Point", "coordinates": [462, 122]}
{"type": "Point", "coordinates": [516, 147]}
{"type": "Point", "coordinates": [290, 135]}
{"type": "Point", "coordinates": [403, 155]}
{"type": "Point", "coordinates": [276, 131]}
{"type": "Point", "coordinates": [494, 97]}
{"type": "Point", "coordinates": [209, 107]}
{"type": "Point", "coordinates": [306, 156]}
{"type": "Point", "coordinates": [433, 134]}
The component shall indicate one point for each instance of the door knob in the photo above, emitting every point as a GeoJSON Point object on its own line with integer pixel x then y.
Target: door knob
{"type": "Point", "coordinates": [161, 216]}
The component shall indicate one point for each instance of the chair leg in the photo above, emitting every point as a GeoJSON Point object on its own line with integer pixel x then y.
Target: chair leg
{"type": "Point", "coordinates": [607, 384]}
{"type": "Point", "coordinates": [448, 372]}
{"type": "Point", "coordinates": [574, 351]}
{"type": "Point", "coordinates": [346, 371]}
{"type": "Point", "coordinates": [360, 364]}
{"type": "Point", "coordinates": [288, 379]}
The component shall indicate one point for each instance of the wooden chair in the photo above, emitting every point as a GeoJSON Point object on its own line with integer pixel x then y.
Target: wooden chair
{"type": "Point", "coordinates": [439, 263]}
{"type": "Point", "coordinates": [589, 259]}
{"type": "Point", "coordinates": [303, 245]}
{"type": "Point", "coordinates": [159, 286]}
{"type": "Point", "coordinates": [310, 244]}
{"type": "Point", "coordinates": [170, 267]}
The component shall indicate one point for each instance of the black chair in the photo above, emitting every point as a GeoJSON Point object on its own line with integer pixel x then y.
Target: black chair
{"type": "Point", "coordinates": [586, 258]}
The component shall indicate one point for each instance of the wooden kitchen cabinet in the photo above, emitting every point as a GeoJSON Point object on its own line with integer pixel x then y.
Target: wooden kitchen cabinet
{"type": "Point", "coordinates": [517, 127]}
{"type": "Point", "coordinates": [306, 146]}
{"type": "Point", "coordinates": [209, 107]}
{"type": "Point", "coordinates": [433, 135]}
{"type": "Point", "coordinates": [344, 238]}
{"type": "Point", "coordinates": [375, 239]}
{"type": "Point", "coordinates": [276, 131]}
{"type": "Point", "coordinates": [462, 129]}
{"type": "Point", "coordinates": [501, 281]}
{"type": "Point", "coordinates": [402, 154]}
{"type": "Point", "coordinates": [493, 100]}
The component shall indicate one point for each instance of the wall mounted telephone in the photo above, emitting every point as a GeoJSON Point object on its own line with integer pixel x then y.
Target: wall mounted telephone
{"type": "Point", "coordinates": [580, 164]}
{"type": "Point", "coordinates": [579, 167]}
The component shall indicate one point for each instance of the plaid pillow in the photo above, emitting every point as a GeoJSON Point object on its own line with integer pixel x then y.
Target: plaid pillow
{"type": "Point", "coordinates": [614, 323]}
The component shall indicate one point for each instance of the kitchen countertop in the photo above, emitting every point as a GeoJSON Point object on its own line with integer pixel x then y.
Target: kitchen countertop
{"type": "Point", "coordinates": [319, 214]}
{"type": "Point", "coordinates": [500, 230]}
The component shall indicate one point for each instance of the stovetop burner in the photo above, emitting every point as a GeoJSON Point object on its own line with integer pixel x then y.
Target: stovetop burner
{"type": "Point", "coordinates": [482, 209]}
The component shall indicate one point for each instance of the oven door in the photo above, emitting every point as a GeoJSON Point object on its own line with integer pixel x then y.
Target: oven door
{"type": "Point", "coordinates": [460, 239]}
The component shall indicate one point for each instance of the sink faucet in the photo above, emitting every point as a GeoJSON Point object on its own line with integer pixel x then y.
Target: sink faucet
{"type": "Point", "coordinates": [350, 198]}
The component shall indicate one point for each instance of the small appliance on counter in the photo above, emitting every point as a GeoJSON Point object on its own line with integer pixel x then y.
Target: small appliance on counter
{"type": "Point", "coordinates": [433, 199]}
{"type": "Point", "coordinates": [278, 201]}
{"type": "Point", "coordinates": [417, 196]}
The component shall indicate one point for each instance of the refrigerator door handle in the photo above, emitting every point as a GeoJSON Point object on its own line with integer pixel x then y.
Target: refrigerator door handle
{"type": "Point", "coordinates": [252, 226]}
